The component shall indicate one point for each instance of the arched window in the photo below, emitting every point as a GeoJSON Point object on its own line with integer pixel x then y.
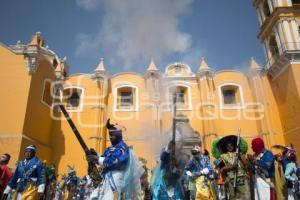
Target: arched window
{"type": "Point", "coordinates": [72, 98]}
{"type": "Point", "coordinates": [126, 98]}
{"type": "Point", "coordinates": [231, 96]}
{"type": "Point", "coordinates": [183, 96]}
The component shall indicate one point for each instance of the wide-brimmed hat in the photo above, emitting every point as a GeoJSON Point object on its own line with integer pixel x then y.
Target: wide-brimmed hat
{"type": "Point", "coordinates": [219, 145]}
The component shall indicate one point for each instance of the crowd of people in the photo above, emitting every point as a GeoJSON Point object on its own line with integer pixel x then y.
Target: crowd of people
{"type": "Point", "coordinates": [230, 172]}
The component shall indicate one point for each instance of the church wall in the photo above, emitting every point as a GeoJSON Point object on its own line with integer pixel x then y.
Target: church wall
{"type": "Point", "coordinates": [38, 121]}
{"type": "Point", "coordinates": [15, 84]}
{"type": "Point", "coordinates": [288, 98]}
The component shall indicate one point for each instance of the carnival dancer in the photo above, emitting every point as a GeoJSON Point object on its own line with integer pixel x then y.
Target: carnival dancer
{"type": "Point", "coordinates": [197, 173]}
{"type": "Point", "coordinates": [279, 164]}
{"type": "Point", "coordinates": [264, 170]}
{"type": "Point", "coordinates": [290, 172]}
{"type": "Point", "coordinates": [28, 177]}
{"type": "Point", "coordinates": [233, 170]}
{"type": "Point", "coordinates": [280, 182]}
{"type": "Point", "coordinates": [167, 176]}
{"type": "Point", "coordinates": [50, 179]}
{"type": "Point", "coordinates": [5, 172]}
{"type": "Point", "coordinates": [121, 169]}
{"type": "Point", "coordinates": [69, 184]}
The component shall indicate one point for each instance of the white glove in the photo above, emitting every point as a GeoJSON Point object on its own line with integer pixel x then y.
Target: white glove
{"type": "Point", "coordinates": [41, 188]}
{"type": "Point", "coordinates": [7, 190]}
{"type": "Point", "coordinates": [205, 171]}
{"type": "Point", "coordinates": [101, 160]}
{"type": "Point", "coordinates": [189, 173]}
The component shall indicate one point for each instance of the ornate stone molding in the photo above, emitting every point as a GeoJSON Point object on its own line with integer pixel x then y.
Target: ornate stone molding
{"type": "Point", "coordinates": [280, 64]}
{"type": "Point", "coordinates": [32, 54]}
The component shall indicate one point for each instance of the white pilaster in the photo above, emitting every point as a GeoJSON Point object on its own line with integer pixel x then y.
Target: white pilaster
{"type": "Point", "coordinates": [278, 40]}
{"type": "Point", "coordinates": [279, 3]}
{"type": "Point", "coordinates": [261, 10]}
{"type": "Point", "coordinates": [295, 32]}
{"type": "Point", "coordinates": [288, 35]}
{"type": "Point", "coordinates": [275, 3]}
{"type": "Point", "coordinates": [259, 16]}
{"type": "Point", "coordinates": [281, 34]}
{"type": "Point", "coordinates": [270, 6]}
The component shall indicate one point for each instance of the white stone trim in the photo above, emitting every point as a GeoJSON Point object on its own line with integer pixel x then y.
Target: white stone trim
{"type": "Point", "coordinates": [81, 98]}
{"type": "Point", "coordinates": [42, 99]}
{"type": "Point", "coordinates": [189, 91]}
{"type": "Point", "coordinates": [221, 99]}
{"type": "Point", "coordinates": [288, 35]}
{"type": "Point", "coordinates": [183, 65]}
{"type": "Point", "coordinates": [279, 3]}
{"type": "Point", "coordinates": [115, 98]}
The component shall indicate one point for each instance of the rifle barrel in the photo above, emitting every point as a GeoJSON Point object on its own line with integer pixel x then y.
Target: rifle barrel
{"type": "Point", "coordinates": [74, 129]}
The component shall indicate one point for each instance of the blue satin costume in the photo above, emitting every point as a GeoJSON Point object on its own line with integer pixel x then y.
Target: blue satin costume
{"type": "Point", "coordinates": [29, 171]}
{"type": "Point", "coordinates": [266, 162]}
{"type": "Point", "coordinates": [115, 157]}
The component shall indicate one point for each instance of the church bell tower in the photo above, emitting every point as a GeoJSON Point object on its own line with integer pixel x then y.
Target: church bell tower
{"type": "Point", "coordinates": [279, 22]}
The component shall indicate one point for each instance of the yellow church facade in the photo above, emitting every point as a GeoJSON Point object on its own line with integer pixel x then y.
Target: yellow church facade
{"type": "Point", "coordinates": [263, 102]}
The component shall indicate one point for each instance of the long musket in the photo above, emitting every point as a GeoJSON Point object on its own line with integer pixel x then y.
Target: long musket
{"type": "Point", "coordinates": [236, 161]}
{"type": "Point", "coordinates": [173, 153]}
{"type": "Point", "coordinates": [93, 171]}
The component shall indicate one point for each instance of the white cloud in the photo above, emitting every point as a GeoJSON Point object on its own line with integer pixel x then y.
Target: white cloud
{"type": "Point", "coordinates": [88, 4]}
{"type": "Point", "coordinates": [134, 31]}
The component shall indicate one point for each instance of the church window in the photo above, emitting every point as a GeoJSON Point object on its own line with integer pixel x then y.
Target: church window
{"type": "Point", "coordinates": [182, 94]}
{"type": "Point", "coordinates": [47, 94]}
{"type": "Point", "coordinates": [231, 96]}
{"type": "Point", "coordinates": [126, 98]}
{"type": "Point", "coordinates": [72, 98]}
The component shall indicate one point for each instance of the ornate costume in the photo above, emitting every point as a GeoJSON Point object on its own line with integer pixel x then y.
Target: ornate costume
{"type": "Point", "coordinates": [227, 157]}
{"type": "Point", "coordinates": [167, 177]}
{"type": "Point", "coordinates": [264, 171]}
{"type": "Point", "coordinates": [196, 176]}
{"type": "Point", "coordinates": [121, 170]}
{"type": "Point", "coordinates": [28, 178]}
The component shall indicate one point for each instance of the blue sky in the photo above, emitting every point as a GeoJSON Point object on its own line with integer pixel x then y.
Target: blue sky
{"type": "Point", "coordinates": [129, 33]}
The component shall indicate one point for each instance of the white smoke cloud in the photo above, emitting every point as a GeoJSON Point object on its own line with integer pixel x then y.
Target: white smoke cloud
{"type": "Point", "coordinates": [134, 31]}
{"type": "Point", "coordinates": [88, 4]}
